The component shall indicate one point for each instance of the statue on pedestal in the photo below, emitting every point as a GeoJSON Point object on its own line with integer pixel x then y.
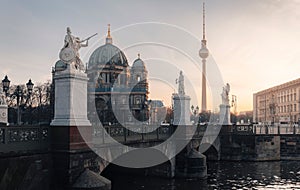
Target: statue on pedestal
{"type": "Point", "coordinates": [225, 94]}
{"type": "Point", "coordinates": [70, 51]}
{"type": "Point", "coordinates": [180, 82]}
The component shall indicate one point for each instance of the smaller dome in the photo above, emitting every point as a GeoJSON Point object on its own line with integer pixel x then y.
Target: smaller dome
{"type": "Point", "coordinates": [60, 65]}
{"type": "Point", "coordinates": [139, 63]}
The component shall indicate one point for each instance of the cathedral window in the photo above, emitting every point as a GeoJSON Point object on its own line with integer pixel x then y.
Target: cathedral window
{"type": "Point", "coordinates": [137, 101]}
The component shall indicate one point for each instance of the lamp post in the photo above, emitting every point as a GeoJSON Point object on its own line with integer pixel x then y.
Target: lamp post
{"type": "Point", "coordinates": [5, 83]}
{"type": "Point", "coordinates": [18, 93]}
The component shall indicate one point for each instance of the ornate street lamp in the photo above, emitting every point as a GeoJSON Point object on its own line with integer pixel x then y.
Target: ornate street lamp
{"type": "Point", "coordinates": [5, 84]}
{"type": "Point", "coordinates": [197, 109]}
{"type": "Point", "coordinates": [18, 93]}
{"type": "Point", "coordinates": [29, 85]}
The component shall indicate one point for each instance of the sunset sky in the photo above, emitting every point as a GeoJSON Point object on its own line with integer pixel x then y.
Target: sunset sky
{"type": "Point", "coordinates": [255, 44]}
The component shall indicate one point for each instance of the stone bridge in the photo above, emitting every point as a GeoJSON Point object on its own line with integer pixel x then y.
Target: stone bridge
{"type": "Point", "coordinates": [31, 154]}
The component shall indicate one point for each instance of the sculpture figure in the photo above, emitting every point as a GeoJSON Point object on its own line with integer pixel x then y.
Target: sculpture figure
{"type": "Point", "coordinates": [225, 94]}
{"type": "Point", "coordinates": [70, 51]}
{"type": "Point", "coordinates": [180, 82]}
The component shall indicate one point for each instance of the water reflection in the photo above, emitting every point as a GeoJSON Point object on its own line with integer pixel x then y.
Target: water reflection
{"type": "Point", "coordinates": [223, 175]}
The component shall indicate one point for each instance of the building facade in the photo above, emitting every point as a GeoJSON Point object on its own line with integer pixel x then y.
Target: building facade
{"type": "Point", "coordinates": [157, 112]}
{"type": "Point", "coordinates": [118, 92]}
{"type": "Point", "coordinates": [278, 104]}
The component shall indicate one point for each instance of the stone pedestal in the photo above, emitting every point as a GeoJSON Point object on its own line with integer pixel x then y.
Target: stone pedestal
{"type": "Point", "coordinates": [181, 109]}
{"type": "Point", "coordinates": [224, 118]}
{"type": "Point", "coordinates": [3, 114]}
{"type": "Point", "coordinates": [70, 108]}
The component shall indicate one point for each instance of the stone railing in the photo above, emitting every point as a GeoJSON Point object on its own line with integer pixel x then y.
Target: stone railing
{"type": "Point", "coordinates": [24, 139]}
{"type": "Point", "coordinates": [265, 129]}
{"type": "Point", "coordinates": [145, 133]}
{"type": "Point", "coordinates": [276, 129]}
{"type": "Point", "coordinates": [243, 129]}
{"type": "Point", "coordinates": [134, 134]}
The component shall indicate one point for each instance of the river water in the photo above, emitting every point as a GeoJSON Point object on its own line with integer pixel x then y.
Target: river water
{"type": "Point", "coordinates": [222, 175]}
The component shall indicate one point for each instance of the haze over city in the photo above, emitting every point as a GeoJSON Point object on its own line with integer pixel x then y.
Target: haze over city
{"type": "Point", "coordinates": [254, 43]}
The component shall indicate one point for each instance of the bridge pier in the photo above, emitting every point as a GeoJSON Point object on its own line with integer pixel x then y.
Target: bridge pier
{"type": "Point", "coordinates": [190, 162]}
{"type": "Point", "coordinates": [71, 154]}
{"type": "Point", "coordinates": [191, 165]}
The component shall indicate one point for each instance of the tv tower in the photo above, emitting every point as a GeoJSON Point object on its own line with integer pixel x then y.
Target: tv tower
{"type": "Point", "coordinates": [203, 53]}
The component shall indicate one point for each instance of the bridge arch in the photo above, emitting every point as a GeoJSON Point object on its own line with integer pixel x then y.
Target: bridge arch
{"type": "Point", "coordinates": [210, 151]}
{"type": "Point", "coordinates": [166, 169]}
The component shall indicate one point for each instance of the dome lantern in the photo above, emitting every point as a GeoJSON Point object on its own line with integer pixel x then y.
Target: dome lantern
{"type": "Point", "coordinates": [108, 38]}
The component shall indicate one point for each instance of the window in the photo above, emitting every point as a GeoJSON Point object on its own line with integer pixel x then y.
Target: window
{"type": "Point", "coordinates": [137, 101]}
{"type": "Point", "coordinates": [295, 107]}
{"type": "Point", "coordinates": [107, 77]}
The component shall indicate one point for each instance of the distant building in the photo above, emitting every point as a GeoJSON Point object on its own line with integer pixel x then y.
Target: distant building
{"type": "Point", "coordinates": [278, 104]}
{"type": "Point", "coordinates": [245, 117]}
{"type": "Point", "coordinates": [157, 112]}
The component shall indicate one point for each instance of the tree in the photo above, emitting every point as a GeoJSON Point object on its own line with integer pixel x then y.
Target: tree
{"type": "Point", "coordinates": [35, 107]}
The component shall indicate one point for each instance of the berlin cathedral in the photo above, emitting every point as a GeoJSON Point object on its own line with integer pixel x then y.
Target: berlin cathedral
{"type": "Point", "coordinates": [117, 92]}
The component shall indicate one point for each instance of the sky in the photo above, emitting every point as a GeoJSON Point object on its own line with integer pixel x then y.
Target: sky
{"type": "Point", "coordinates": [253, 44]}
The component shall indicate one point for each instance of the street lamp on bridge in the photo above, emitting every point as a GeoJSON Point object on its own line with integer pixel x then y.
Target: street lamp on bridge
{"type": "Point", "coordinates": [18, 93]}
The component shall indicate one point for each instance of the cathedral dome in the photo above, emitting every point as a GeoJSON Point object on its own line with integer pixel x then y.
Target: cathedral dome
{"type": "Point", "coordinates": [108, 54]}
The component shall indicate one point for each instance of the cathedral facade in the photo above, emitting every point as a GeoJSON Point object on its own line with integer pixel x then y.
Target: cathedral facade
{"type": "Point", "coordinates": [118, 93]}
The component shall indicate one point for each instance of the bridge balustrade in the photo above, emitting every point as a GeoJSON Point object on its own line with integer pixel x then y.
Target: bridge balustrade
{"type": "Point", "coordinates": [133, 134]}
{"type": "Point", "coordinates": [277, 129]}
{"type": "Point", "coordinates": [24, 139]}
{"type": "Point", "coordinates": [243, 129]}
